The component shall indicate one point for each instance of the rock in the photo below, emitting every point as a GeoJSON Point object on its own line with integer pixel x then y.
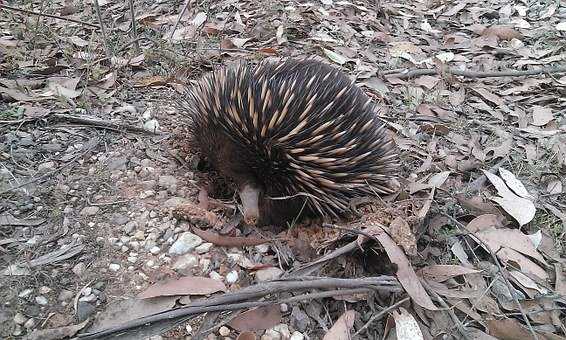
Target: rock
{"type": "Point", "coordinates": [46, 167]}
{"type": "Point", "coordinates": [139, 235]}
{"type": "Point", "coordinates": [278, 332]}
{"type": "Point", "coordinates": [168, 182]}
{"type": "Point", "coordinates": [147, 194]}
{"type": "Point", "coordinates": [175, 201]}
{"type": "Point", "coordinates": [297, 336]}
{"type": "Point", "coordinates": [29, 324]}
{"type": "Point", "coordinates": [203, 248]}
{"type": "Point", "coordinates": [268, 274]}
{"type": "Point", "coordinates": [119, 219]}
{"type": "Point", "coordinates": [215, 276]}
{"type": "Point", "coordinates": [41, 300]}
{"type": "Point", "coordinates": [114, 267]}
{"type": "Point", "coordinates": [65, 295]}
{"type": "Point", "coordinates": [51, 147]}
{"type": "Point", "coordinates": [232, 277]}
{"type": "Point", "coordinates": [284, 308]}
{"type": "Point", "coordinates": [186, 261]}
{"type": "Point", "coordinates": [185, 243]}
{"type": "Point", "coordinates": [20, 319]}
{"type": "Point", "coordinates": [224, 331]}
{"type": "Point", "coordinates": [262, 248]}
{"type": "Point", "coordinates": [25, 293]}
{"type": "Point", "coordinates": [299, 319]}
{"type": "Point", "coordinates": [17, 331]}
{"type": "Point", "coordinates": [44, 290]}
{"type": "Point", "coordinates": [89, 211]}
{"type": "Point", "coordinates": [79, 269]}
{"type": "Point", "coordinates": [84, 310]}
{"type": "Point", "coordinates": [189, 329]}
{"type": "Point", "coordinates": [118, 164]}
{"type": "Point", "coordinates": [155, 250]}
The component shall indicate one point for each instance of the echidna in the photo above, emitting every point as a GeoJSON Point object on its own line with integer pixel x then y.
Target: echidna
{"type": "Point", "coordinates": [297, 137]}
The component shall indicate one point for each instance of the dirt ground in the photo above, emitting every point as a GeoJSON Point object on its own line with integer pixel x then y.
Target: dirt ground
{"type": "Point", "coordinates": [93, 163]}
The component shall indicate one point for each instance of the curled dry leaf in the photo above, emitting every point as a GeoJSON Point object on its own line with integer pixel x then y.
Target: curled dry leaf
{"type": "Point", "coordinates": [406, 327]}
{"type": "Point", "coordinates": [190, 285]}
{"type": "Point", "coordinates": [522, 209]}
{"type": "Point", "coordinates": [341, 328]}
{"type": "Point", "coordinates": [256, 319]}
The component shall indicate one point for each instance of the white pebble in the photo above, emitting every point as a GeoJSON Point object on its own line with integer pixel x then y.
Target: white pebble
{"type": "Point", "coordinates": [114, 267]}
{"type": "Point", "coordinates": [25, 293]}
{"type": "Point", "coordinates": [20, 319]}
{"type": "Point", "coordinates": [155, 250]}
{"type": "Point", "coordinates": [189, 329]}
{"type": "Point", "coordinates": [41, 300]}
{"type": "Point", "coordinates": [215, 276]}
{"type": "Point", "coordinates": [203, 248]}
{"type": "Point", "coordinates": [232, 277]}
{"type": "Point", "coordinates": [297, 336]}
{"type": "Point", "coordinates": [224, 331]}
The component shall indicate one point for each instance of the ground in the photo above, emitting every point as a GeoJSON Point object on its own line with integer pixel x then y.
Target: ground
{"type": "Point", "coordinates": [94, 166]}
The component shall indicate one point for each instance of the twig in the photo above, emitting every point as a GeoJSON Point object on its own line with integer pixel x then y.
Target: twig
{"type": "Point", "coordinates": [475, 74]}
{"type": "Point", "coordinates": [103, 30]}
{"type": "Point", "coordinates": [104, 124]}
{"type": "Point", "coordinates": [232, 301]}
{"type": "Point", "coordinates": [134, 27]}
{"type": "Point", "coordinates": [185, 7]}
{"type": "Point", "coordinates": [9, 8]}
{"type": "Point", "coordinates": [381, 314]}
{"type": "Point", "coordinates": [315, 265]}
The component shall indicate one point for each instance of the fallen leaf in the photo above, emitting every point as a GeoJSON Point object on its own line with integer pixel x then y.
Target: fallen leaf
{"type": "Point", "coordinates": [405, 273]}
{"type": "Point", "coordinates": [485, 221]}
{"type": "Point", "coordinates": [280, 34]}
{"type": "Point", "coordinates": [406, 327]}
{"type": "Point", "coordinates": [514, 239]}
{"type": "Point", "coordinates": [560, 284]}
{"type": "Point", "coordinates": [156, 80]}
{"type": "Point", "coordinates": [246, 336]}
{"type": "Point", "coordinates": [78, 41]}
{"type": "Point", "coordinates": [427, 81]}
{"type": "Point", "coordinates": [542, 115]}
{"type": "Point", "coordinates": [256, 319]}
{"type": "Point", "coordinates": [440, 273]}
{"type": "Point", "coordinates": [189, 285]}
{"type": "Point", "coordinates": [508, 329]}
{"type": "Point", "coordinates": [9, 220]}
{"type": "Point", "coordinates": [341, 328]}
{"type": "Point", "coordinates": [514, 184]}
{"type": "Point", "coordinates": [490, 96]}
{"type": "Point", "coordinates": [525, 264]}
{"type": "Point", "coordinates": [561, 26]}
{"type": "Point", "coordinates": [335, 57]}
{"type": "Point", "coordinates": [199, 19]}
{"type": "Point", "coordinates": [502, 32]}
{"type": "Point", "coordinates": [522, 209]}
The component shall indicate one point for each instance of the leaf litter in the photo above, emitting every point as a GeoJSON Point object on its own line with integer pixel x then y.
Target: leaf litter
{"type": "Point", "coordinates": [479, 218]}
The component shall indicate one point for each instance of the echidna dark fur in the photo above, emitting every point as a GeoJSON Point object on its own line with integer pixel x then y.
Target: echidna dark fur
{"type": "Point", "coordinates": [294, 135]}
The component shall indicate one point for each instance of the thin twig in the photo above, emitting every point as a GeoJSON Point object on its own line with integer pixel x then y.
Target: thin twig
{"type": "Point", "coordinates": [134, 27]}
{"type": "Point", "coordinates": [103, 30]}
{"type": "Point", "coordinates": [99, 123]}
{"type": "Point", "coordinates": [9, 8]}
{"type": "Point", "coordinates": [185, 7]}
{"type": "Point", "coordinates": [233, 301]}
{"type": "Point", "coordinates": [381, 314]}
{"type": "Point", "coordinates": [475, 74]}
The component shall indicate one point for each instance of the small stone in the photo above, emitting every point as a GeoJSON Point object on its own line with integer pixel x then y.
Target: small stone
{"type": "Point", "coordinates": [25, 293]}
{"type": "Point", "coordinates": [268, 274]}
{"type": "Point", "coordinates": [79, 269]}
{"type": "Point", "coordinates": [88, 298]}
{"type": "Point", "coordinates": [17, 330]}
{"type": "Point", "coordinates": [46, 167]}
{"type": "Point", "coordinates": [175, 201]}
{"type": "Point", "coordinates": [29, 324]}
{"type": "Point", "coordinates": [284, 308]}
{"type": "Point", "coordinates": [297, 336]}
{"type": "Point", "coordinates": [224, 331]}
{"type": "Point", "coordinates": [114, 267]}
{"type": "Point", "coordinates": [215, 276]}
{"type": "Point", "coordinates": [65, 295]}
{"type": "Point", "coordinates": [139, 235]}
{"type": "Point", "coordinates": [278, 332]}
{"type": "Point", "coordinates": [186, 261]}
{"type": "Point", "coordinates": [189, 329]}
{"type": "Point", "coordinates": [203, 248]}
{"type": "Point", "coordinates": [135, 245]}
{"type": "Point", "coordinates": [155, 250]}
{"type": "Point", "coordinates": [152, 214]}
{"type": "Point", "coordinates": [150, 263]}
{"type": "Point", "coordinates": [232, 277]}
{"type": "Point", "coordinates": [84, 310]}
{"type": "Point", "coordinates": [44, 290]}
{"type": "Point", "coordinates": [89, 211]}
{"type": "Point", "coordinates": [168, 182]}
{"type": "Point", "coordinates": [129, 227]}
{"type": "Point", "coordinates": [147, 194]}
{"type": "Point", "coordinates": [299, 319]}
{"type": "Point", "coordinates": [132, 259]}
{"type": "Point", "coordinates": [185, 243]}
{"type": "Point", "coordinates": [41, 300]}
{"type": "Point", "coordinates": [262, 248]}
{"type": "Point", "coordinates": [20, 319]}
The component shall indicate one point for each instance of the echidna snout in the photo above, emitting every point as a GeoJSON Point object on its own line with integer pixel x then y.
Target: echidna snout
{"type": "Point", "coordinates": [298, 137]}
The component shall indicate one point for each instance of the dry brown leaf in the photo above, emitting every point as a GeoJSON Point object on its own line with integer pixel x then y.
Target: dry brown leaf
{"type": "Point", "coordinates": [485, 221]}
{"type": "Point", "coordinates": [560, 284]}
{"type": "Point", "coordinates": [256, 319]}
{"type": "Point", "coordinates": [406, 327]}
{"type": "Point", "coordinates": [189, 285]}
{"type": "Point", "coordinates": [152, 81]}
{"type": "Point", "coordinates": [335, 57]}
{"type": "Point", "coordinates": [341, 328]}
{"type": "Point", "coordinates": [514, 239]}
{"type": "Point", "coordinates": [427, 81]}
{"type": "Point", "coordinates": [405, 273]}
{"type": "Point", "coordinates": [246, 336]}
{"type": "Point", "coordinates": [525, 264]}
{"type": "Point", "coordinates": [508, 329]}
{"type": "Point", "coordinates": [489, 96]}
{"type": "Point", "coordinates": [440, 273]}
{"type": "Point", "coordinates": [403, 235]}
{"type": "Point", "coordinates": [502, 32]}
